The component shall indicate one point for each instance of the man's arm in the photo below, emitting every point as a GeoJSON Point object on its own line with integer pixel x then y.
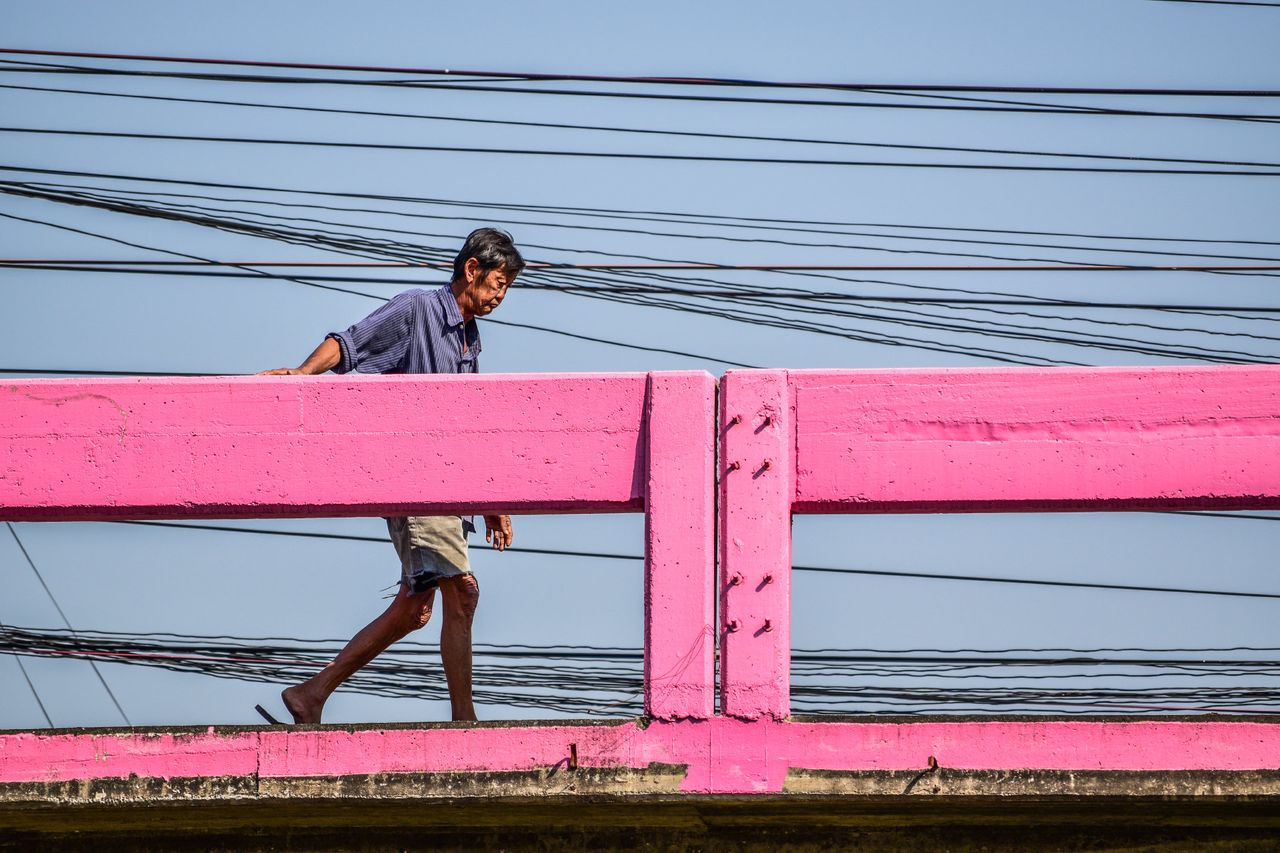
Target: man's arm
{"type": "Point", "coordinates": [324, 357]}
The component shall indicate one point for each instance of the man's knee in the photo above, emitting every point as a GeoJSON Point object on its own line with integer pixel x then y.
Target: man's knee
{"type": "Point", "coordinates": [461, 595]}
{"type": "Point", "coordinates": [415, 609]}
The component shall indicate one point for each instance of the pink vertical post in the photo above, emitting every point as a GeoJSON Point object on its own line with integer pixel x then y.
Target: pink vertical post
{"type": "Point", "coordinates": [679, 609]}
{"type": "Point", "coordinates": [756, 491]}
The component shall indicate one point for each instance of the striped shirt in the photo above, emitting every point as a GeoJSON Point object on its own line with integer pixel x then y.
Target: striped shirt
{"type": "Point", "coordinates": [417, 331]}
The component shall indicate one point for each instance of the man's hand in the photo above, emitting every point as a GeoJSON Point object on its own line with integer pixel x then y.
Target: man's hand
{"type": "Point", "coordinates": [325, 357]}
{"type": "Point", "coordinates": [497, 529]}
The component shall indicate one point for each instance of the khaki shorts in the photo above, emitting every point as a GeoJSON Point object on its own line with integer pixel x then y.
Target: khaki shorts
{"type": "Point", "coordinates": [430, 547]}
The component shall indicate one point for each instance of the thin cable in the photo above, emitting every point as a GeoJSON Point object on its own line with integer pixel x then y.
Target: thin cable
{"type": "Point", "coordinates": [659, 80]}
{"type": "Point", "coordinates": [67, 622]}
{"type": "Point", "coordinates": [639, 130]}
{"type": "Point", "coordinates": [619, 155]}
{"type": "Point", "coordinates": [30, 684]}
{"type": "Point", "coordinates": [1012, 331]}
{"type": "Point", "coordinates": [1222, 3]}
{"type": "Point", "coordinates": [612, 213]}
{"type": "Point", "coordinates": [744, 291]}
{"type": "Point", "coordinates": [821, 569]}
{"type": "Point", "coordinates": [1015, 331]}
{"type": "Point", "coordinates": [532, 327]}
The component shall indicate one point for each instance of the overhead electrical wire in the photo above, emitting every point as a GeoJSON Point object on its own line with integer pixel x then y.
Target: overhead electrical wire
{"type": "Point", "coordinates": [890, 340]}
{"type": "Point", "coordinates": [222, 528]}
{"type": "Point", "coordinates": [968, 104]}
{"type": "Point", "coordinates": [597, 680]}
{"type": "Point", "coordinates": [638, 155]}
{"type": "Point", "coordinates": [159, 200]}
{"type": "Point", "coordinates": [1223, 3]}
{"type": "Point", "coordinates": [678, 80]}
{"type": "Point", "coordinates": [647, 131]}
{"type": "Point", "coordinates": [594, 212]}
{"type": "Point", "coordinates": [1013, 331]}
{"type": "Point", "coordinates": [529, 326]}
{"type": "Point", "coordinates": [58, 607]}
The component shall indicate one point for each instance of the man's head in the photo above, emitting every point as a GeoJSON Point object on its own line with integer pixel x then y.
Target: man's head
{"type": "Point", "coordinates": [483, 270]}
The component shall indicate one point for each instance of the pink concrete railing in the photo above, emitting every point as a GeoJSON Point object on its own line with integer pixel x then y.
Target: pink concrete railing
{"type": "Point", "coordinates": [971, 440]}
{"type": "Point", "coordinates": [387, 445]}
{"type": "Point", "coordinates": [789, 441]}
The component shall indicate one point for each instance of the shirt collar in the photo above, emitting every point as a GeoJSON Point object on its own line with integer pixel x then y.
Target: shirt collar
{"type": "Point", "coordinates": [452, 315]}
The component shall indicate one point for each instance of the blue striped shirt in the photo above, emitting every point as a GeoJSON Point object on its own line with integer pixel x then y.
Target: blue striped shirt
{"type": "Point", "coordinates": [417, 331]}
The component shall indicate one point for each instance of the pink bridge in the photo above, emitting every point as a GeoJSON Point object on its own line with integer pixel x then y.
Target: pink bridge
{"type": "Point", "coordinates": [772, 442]}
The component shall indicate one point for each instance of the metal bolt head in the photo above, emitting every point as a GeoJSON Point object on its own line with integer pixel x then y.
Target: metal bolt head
{"type": "Point", "coordinates": [768, 626]}
{"type": "Point", "coordinates": [731, 626]}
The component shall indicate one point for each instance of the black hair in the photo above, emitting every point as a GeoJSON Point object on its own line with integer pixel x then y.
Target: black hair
{"type": "Point", "coordinates": [494, 249]}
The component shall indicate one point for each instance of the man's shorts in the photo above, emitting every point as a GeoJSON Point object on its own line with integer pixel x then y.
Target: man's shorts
{"type": "Point", "coordinates": [430, 547]}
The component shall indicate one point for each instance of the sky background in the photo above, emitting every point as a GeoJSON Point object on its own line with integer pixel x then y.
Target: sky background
{"type": "Point", "coordinates": [131, 579]}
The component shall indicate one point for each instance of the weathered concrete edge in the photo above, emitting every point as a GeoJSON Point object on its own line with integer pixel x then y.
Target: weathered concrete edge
{"type": "Point", "coordinates": [721, 755]}
{"type": "Point", "coordinates": [654, 784]}
{"type": "Point", "coordinates": [1118, 784]}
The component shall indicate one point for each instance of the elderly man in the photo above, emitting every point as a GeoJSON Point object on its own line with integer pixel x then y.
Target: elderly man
{"type": "Point", "coordinates": [420, 331]}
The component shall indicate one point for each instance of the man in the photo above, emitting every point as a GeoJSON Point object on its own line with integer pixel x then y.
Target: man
{"type": "Point", "coordinates": [420, 331]}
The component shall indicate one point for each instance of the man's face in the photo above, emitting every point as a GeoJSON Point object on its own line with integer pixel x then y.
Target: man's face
{"type": "Point", "coordinates": [486, 289]}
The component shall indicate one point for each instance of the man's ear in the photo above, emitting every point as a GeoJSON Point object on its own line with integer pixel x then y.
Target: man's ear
{"type": "Point", "coordinates": [471, 269]}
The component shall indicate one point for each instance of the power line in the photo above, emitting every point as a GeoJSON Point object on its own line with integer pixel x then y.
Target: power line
{"type": "Point", "coordinates": [67, 622]}
{"type": "Point", "coordinates": [890, 340]}
{"type": "Point", "coordinates": [1223, 3]}
{"type": "Point", "coordinates": [661, 80]}
{"type": "Point", "coordinates": [582, 678]}
{"type": "Point", "coordinates": [619, 155]}
{"type": "Point", "coordinates": [26, 676]}
{"type": "Point", "coordinates": [639, 130]}
{"type": "Point", "coordinates": [31, 67]}
{"type": "Point", "coordinates": [613, 213]}
{"type": "Point", "coordinates": [74, 265]}
{"type": "Point", "coordinates": [559, 332]}
{"type": "Point", "coordinates": [118, 268]}
{"type": "Point", "coordinates": [820, 569]}
{"type": "Point", "coordinates": [1014, 331]}
{"type": "Point", "coordinates": [67, 192]}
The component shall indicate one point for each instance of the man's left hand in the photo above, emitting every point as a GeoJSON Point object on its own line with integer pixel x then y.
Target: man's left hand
{"type": "Point", "coordinates": [497, 529]}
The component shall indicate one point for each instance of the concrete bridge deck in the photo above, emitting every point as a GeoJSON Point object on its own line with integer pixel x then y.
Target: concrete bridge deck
{"type": "Point", "coordinates": [874, 783]}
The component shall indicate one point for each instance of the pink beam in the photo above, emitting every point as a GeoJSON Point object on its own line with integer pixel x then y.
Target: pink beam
{"type": "Point", "coordinates": [1027, 439]}
{"type": "Point", "coordinates": [720, 755]}
{"type": "Point", "coordinates": [755, 543]}
{"type": "Point", "coordinates": [679, 659]}
{"type": "Point", "coordinates": [356, 445]}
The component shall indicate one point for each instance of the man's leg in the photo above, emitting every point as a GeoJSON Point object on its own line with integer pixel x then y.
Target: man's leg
{"type": "Point", "coordinates": [461, 595]}
{"type": "Point", "coordinates": [407, 613]}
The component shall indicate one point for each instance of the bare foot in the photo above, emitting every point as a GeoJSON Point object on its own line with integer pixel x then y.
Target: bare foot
{"type": "Point", "coordinates": [303, 708]}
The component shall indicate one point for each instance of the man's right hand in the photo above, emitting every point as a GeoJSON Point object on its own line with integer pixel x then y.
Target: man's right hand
{"type": "Point", "coordinates": [325, 357]}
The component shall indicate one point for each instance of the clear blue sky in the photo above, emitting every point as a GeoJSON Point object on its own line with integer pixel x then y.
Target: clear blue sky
{"type": "Point", "coordinates": [125, 578]}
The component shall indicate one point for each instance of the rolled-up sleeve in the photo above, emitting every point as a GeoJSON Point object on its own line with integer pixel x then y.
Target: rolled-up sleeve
{"type": "Point", "coordinates": [378, 343]}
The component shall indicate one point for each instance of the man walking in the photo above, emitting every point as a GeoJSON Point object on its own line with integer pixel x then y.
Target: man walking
{"type": "Point", "coordinates": [420, 331]}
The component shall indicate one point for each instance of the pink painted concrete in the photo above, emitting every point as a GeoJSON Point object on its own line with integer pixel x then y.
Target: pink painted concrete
{"type": "Point", "coordinates": [953, 440]}
{"type": "Point", "coordinates": [722, 755]}
{"type": "Point", "coordinates": [277, 446]}
{"type": "Point", "coordinates": [755, 543]}
{"type": "Point", "coordinates": [679, 660]}
{"type": "Point", "coordinates": [1030, 438]}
